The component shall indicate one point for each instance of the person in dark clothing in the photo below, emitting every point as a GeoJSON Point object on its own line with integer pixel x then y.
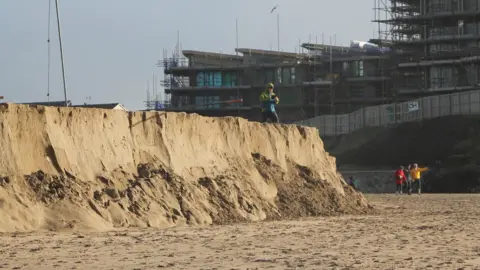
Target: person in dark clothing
{"type": "Point", "coordinates": [408, 180]}
{"type": "Point", "coordinates": [351, 182]}
{"type": "Point", "coordinates": [268, 101]}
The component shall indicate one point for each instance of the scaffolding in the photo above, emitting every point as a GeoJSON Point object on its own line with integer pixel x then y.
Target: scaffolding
{"type": "Point", "coordinates": [163, 100]}
{"type": "Point", "coordinates": [328, 79]}
{"type": "Point", "coordinates": [436, 44]}
{"type": "Point", "coordinates": [322, 82]}
{"type": "Point", "coordinates": [184, 79]}
{"type": "Point", "coordinates": [350, 78]}
{"type": "Point", "coordinates": [198, 75]}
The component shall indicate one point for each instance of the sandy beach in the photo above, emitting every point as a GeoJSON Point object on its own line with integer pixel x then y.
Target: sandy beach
{"type": "Point", "coordinates": [409, 232]}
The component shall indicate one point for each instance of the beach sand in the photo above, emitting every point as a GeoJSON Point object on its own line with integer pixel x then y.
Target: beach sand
{"type": "Point", "coordinates": [408, 232]}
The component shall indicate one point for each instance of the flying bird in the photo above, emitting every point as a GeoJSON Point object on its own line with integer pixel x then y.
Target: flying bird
{"type": "Point", "coordinates": [275, 7]}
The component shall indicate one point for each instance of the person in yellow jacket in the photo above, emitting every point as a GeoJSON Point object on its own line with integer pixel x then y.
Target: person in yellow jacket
{"type": "Point", "coordinates": [415, 174]}
{"type": "Point", "coordinates": [268, 100]}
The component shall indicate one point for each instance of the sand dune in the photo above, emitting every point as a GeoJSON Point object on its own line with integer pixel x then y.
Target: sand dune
{"type": "Point", "coordinates": [92, 169]}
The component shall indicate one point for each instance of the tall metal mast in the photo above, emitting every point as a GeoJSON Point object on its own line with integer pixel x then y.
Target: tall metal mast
{"type": "Point", "coordinates": [61, 54]}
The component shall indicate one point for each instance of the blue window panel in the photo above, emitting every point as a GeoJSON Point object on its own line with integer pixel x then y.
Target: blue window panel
{"type": "Point", "coordinates": [201, 79]}
{"type": "Point", "coordinates": [217, 79]}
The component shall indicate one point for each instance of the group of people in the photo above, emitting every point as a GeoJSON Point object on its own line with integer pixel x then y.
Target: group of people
{"type": "Point", "coordinates": [409, 178]}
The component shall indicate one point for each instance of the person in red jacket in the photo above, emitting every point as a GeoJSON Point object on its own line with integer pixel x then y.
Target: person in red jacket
{"type": "Point", "coordinates": [399, 179]}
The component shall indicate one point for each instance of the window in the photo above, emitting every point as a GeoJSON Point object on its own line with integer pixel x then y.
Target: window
{"type": "Point", "coordinates": [358, 69]}
{"type": "Point", "coordinates": [269, 76]}
{"type": "Point", "coordinates": [293, 77]}
{"type": "Point", "coordinates": [201, 79]}
{"type": "Point", "coordinates": [442, 77]}
{"type": "Point", "coordinates": [279, 76]}
{"type": "Point", "coordinates": [229, 79]}
{"type": "Point", "coordinates": [209, 79]}
{"type": "Point", "coordinates": [286, 76]}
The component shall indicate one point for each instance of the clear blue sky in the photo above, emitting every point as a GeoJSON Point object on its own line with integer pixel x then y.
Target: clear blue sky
{"type": "Point", "coordinates": [111, 46]}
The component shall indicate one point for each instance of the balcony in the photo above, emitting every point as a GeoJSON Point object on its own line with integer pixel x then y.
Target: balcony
{"type": "Point", "coordinates": [420, 19]}
{"type": "Point", "coordinates": [207, 89]}
{"type": "Point", "coordinates": [183, 66]}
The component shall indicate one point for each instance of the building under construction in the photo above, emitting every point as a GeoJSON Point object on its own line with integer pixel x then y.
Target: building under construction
{"type": "Point", "coordinates": [324, 79]}
{"type": "Point", "coordinates": [424, 47]}
{"type": "Point", "coordinates": [435, 44]}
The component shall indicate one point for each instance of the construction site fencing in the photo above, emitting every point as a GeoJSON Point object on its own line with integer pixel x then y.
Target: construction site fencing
{"type": "Point", "coordinates": [462, 103]}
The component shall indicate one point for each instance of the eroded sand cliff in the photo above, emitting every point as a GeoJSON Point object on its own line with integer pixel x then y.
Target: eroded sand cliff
{"type": "Point", "coordinates": [78, 168]}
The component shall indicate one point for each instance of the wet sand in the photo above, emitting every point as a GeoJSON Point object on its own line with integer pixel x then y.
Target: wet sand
{"type": "Point", "coordinates": [409, 232]}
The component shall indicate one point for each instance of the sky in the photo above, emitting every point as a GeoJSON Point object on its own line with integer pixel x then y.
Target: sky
{"type": "Point", "coordinates": [111, 47]}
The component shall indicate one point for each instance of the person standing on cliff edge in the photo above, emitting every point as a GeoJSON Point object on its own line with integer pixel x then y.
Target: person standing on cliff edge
{"type": "Point", "coordinates": [268, 100]}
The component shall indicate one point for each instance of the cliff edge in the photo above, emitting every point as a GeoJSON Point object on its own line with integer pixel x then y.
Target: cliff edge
{"type": "Point", "coordinates": [94, 169]}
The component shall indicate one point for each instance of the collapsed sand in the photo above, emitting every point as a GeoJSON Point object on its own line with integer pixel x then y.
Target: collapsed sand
{"type": "Point", "coordinates": [77, 168]}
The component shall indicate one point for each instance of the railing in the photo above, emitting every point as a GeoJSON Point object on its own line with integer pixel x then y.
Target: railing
{"type": "Point", "coordinates": [463, 103]}
{"type": "Point", "coordinates": [171, 81]}
{"type": "Point", "coordinates": [173, 63]}
{"type": "Point", "coordinates": [367, 72]}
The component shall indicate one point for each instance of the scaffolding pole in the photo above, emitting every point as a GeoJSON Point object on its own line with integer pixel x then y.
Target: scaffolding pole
{"type": "Point", "coordinates": [332, 94]}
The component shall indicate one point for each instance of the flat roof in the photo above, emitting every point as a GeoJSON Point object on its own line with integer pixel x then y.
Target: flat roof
{"type": "Point", "coordinates": [245, 51]}
{"type": "Point", "coordinates": [325, 47]}
{"type": "Point", "coordinates": [100, 105]}
{"type": "Point", "coordinates": [211, 54]}
{"type": "Point", "coordinates": [47, 103]}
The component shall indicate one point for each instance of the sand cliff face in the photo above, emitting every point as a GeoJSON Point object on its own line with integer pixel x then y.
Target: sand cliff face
{"type": "Point", "coordinates": [63, 168]}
